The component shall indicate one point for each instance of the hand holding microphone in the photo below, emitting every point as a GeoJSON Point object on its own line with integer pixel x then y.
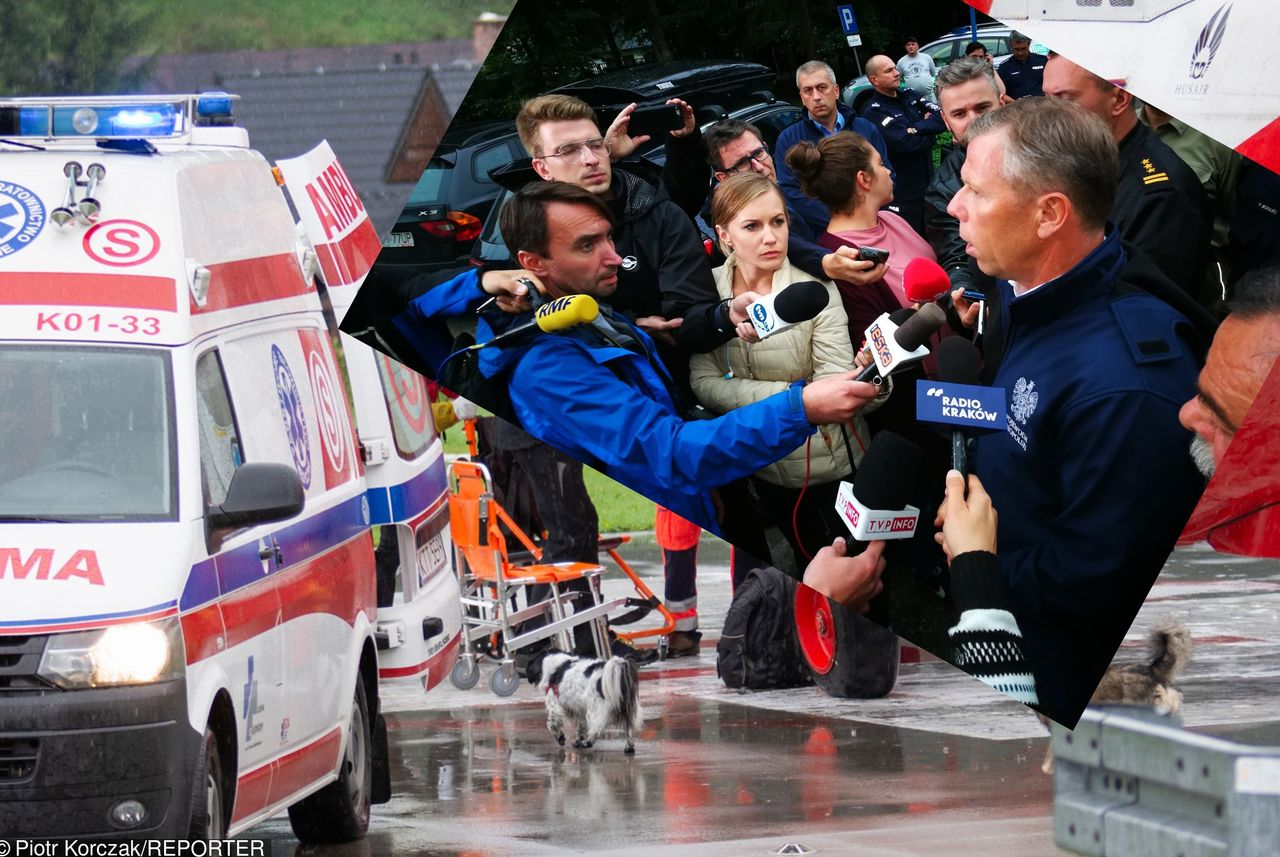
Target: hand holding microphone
{"type": "Point", "coordinates": [836, 398]}
{"type": "Point", "coordinates": [777, 311]}
{"type": "Point", "coordinates": [849, 580]}
{"type": "Point", "coordinates": [967, 523]}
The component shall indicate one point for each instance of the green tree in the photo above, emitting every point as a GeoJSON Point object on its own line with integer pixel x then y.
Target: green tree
{"type": "Point", "coordinates": [70, 48]}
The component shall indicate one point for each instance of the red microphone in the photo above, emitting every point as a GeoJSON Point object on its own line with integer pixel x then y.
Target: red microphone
{"type": "Point", "coordinates": [924, 281]}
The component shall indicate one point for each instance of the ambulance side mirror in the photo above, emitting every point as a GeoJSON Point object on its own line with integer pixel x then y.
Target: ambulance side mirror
{"type": "Point", "coordinates": [260, 492]}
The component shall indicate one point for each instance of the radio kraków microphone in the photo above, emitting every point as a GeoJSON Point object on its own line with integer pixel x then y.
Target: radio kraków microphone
{"type": "Point", "coordinates": [875, 505]}
{"type": "Point", "coordinates": [893, 347]}
{"type": "Point", "coordinates": [796, 303]}
{"type": "Point", "coordinates": [958, 364]}
{"type": "Point", "coordinates": [557, 314]}
{"type": "Point", "coordinates": [924, 281]}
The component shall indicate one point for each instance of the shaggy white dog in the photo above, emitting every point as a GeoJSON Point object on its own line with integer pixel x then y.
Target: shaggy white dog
{"type": "Point", "coordinates": [596, 695]}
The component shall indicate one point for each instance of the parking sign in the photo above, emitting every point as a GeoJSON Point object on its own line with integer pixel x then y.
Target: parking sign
{"type": "Point", "coordinates": [847, 22]}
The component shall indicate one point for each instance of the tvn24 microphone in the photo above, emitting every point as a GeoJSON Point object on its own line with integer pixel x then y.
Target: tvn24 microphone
{"type": "Point", "coordinates": [893, 347]}
{"type": "Point", "coordinates": [796, 303]}
{"type": "Point", "coordinates": [554, 315]}
{"type": "Point", "coordinates": [924, 281]}
{"type": "Point", "coordinates": [875, 505]}
{"type": "Point", "coordinates": [958, 364]}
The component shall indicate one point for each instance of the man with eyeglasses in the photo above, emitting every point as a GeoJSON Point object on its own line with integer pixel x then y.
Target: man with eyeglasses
{"type": "Point", "coordinates": [826, 116]}
{"type": "Point", "coordinates": [734, 146]}
{"type": "Point", "coordinates": [665, 280]}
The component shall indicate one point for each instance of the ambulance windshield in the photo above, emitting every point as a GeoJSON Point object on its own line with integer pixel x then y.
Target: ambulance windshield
{"type": "Point", "coordinates": [86, 434]}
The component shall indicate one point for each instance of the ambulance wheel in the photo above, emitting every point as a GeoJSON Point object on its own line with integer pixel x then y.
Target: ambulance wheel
{"type": "Point", "coordinates": [208, 795]}
{"type": "Point", "coordinates": [340, 811]}
{"type": "Point", "coordinates": [465, 673]}
{"type": "Point", "coordinates": [850, 656]}
{"type": "Point", "coordinates": [504, 680]}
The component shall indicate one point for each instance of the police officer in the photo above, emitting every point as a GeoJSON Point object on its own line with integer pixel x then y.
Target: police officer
{"type": "Point", "coordinates": [909, 124]}
{"type": "Point", "coordinates": [1160, 206]}
{"type": "Point", "coordinates": [1022, 73]}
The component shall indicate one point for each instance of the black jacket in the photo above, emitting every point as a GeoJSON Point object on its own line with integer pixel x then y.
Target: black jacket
{"type": "Point", "coordinates": [1161, 208]}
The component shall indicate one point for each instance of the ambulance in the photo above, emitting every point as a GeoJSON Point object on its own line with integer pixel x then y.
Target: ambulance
{"type": "Point", "coordinates": [194, 470]}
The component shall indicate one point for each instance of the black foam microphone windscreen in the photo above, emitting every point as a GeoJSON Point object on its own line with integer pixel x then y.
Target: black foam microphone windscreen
{"type": "Point", "coordinates": [801, 301]}
{"type": "Point", "coordinates": [887, 473]}
{"type": "Point", "coordinates": [957, 361]}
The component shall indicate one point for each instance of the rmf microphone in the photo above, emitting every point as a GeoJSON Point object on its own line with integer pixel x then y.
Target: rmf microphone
{"type": "Point", "coordinates": [796, 303]}
{"type": "Point", "coordinates": [924, 281]}
{"type": "Point", "coordinates": [875, 505]}
{"type": "Point", "coordinates": [893, 347]}
{"type": "Point", "coordinates": [958, 364]}
{"type": "Point", "coordinates": [558, 314]}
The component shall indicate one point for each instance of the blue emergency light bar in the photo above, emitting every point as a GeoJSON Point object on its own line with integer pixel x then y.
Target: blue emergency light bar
{"type": "Point", "coordinates": [113, 117]}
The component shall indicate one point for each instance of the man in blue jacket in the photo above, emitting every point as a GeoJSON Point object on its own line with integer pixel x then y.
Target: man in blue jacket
{"type": "Point", "coordinates": [826, 116]}
{"type": "Point", "coordinates": [598, 392]}
{"type": "Point", "coordinates": [1091, 478]}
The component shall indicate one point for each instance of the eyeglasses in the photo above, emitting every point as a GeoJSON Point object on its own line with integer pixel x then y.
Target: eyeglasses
{"type": "Point", "coordinates": [576, 151]}
{"type": "Point", "coordinates": [759, 155]}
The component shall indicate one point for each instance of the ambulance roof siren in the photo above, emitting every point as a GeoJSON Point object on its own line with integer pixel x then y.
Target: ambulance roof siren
{"type": "Point", "coordinates": [118, 117]}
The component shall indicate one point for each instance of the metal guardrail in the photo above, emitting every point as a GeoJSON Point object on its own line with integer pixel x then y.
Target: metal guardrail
{"type": "Point", "coordinates": [1129, 783]}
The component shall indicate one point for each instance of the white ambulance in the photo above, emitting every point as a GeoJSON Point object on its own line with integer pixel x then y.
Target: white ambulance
{"type": "Point", "coordinates": [193, 619]}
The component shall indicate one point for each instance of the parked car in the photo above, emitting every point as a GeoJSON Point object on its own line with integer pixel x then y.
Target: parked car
{"type": "Point", "coordinates": [995, 37]}
{"type": "Point", "coordinates": [448, 205]}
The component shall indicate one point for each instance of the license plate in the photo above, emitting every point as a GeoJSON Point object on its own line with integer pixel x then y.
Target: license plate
{"type": "Point", "coordinates": [398, 239]}
{"type": "Point", "coordinates": [431, 558]}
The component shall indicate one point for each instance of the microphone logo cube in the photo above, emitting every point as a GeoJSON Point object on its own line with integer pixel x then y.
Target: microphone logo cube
{"type": "Point", "coordinates": [964, 405]}
{"type": "Point", "coordinates": [761, 318]}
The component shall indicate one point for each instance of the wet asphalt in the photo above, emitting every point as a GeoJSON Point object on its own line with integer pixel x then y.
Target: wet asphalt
{"type": "Point", "coordinates": [941, 766]}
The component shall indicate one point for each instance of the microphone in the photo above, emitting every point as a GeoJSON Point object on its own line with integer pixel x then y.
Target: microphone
{"type": "Point", "coordinates": [781, 309]}
{"type": "Point", "coordinates": [893, 347]}
{"type": "Point", "coordinates": [875, 505]}
{"type": "Point", "coordinates": [958, 364]}
{"type": "Point", "coordinates": [924, 281]}
{"type": "Point", "coordinates": [558, 314]}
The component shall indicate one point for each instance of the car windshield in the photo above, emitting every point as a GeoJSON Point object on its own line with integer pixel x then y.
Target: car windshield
{"type": "Point", "coordinates": [87, 434]}
{"type": "Point", "coordinates": [431, 187]}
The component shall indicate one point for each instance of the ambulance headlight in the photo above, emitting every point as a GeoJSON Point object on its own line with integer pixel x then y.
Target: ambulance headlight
{"type": "Point", "coordinates": [132, 653]}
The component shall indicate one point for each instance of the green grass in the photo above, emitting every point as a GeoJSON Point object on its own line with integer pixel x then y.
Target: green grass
{"type": "Point", "coordinates": [182, 26]}
{"type": "Point", "coordinates": [621, 510]}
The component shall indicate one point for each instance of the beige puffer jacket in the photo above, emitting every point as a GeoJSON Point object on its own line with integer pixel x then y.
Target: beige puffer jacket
{"type": "Point", "coordinates": [807, 351]}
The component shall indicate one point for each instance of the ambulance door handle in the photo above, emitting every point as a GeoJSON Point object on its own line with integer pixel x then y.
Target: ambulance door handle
{"type": "Point", "coordinates": [272, 550]}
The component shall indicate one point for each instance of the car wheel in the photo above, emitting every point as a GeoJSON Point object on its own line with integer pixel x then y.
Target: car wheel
{"type": "Point", "coordinates": [340, 811]}
{"type": "Point", "coordinates": [208, 793]}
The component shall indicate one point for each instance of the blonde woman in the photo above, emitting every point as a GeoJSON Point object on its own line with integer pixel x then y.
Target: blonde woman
{"type": "Point", "coordinates": [798, 492]}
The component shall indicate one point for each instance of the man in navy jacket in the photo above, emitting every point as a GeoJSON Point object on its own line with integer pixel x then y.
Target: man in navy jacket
{"type": "Point", "coordinates": [826, 116]}
{"type": "Point", "coordinates": [1091, 478]}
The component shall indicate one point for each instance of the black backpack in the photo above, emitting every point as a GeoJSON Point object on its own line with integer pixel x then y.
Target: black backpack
{"type": "Point", "coordinates": [758, 648]}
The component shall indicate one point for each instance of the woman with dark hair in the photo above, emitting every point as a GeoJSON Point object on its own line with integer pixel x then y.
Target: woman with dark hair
{"type": "Point", "coordinates": [845, 173]}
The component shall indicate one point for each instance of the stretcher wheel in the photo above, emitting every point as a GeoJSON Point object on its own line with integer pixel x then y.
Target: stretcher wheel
{"type": "Point", "coordinates": [849, 655]}
{"type": "Point", "coordinates": [465, 673]}
{"type": "Point", "coordinates": [504, 680]}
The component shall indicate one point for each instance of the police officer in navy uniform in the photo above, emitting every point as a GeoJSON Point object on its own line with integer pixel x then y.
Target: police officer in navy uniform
{"type": "Point", "coordinates": [1160, 206]}
{"type": "Point", "coordinates": [1022, 73]}
{"type": "Point", "coordinates": [909, 124]}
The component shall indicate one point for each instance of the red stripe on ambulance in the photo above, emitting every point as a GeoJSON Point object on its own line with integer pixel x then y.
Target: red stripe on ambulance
{"type": "Point", "coordinates": [275, 781]}
{"type": "Point", "coordinates": [250, 281]}
{"type": "Point", "coordinates": [346, 261]}
{"type": "Point", "coordinates": [113, 290]}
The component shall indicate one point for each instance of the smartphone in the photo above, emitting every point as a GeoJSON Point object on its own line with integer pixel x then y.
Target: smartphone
{"type": "Point", "coordinates": [872, 254]}
{"type": "Point", "coordinates": [656, 119]}
{"type": "Point", "coordinates": [972, 295]}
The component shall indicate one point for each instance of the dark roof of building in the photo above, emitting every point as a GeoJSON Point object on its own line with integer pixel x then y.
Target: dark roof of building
{"type": "Point", "coordinates": [194, 72]}
{"type": "Point", "coordinates": [362, 114]}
